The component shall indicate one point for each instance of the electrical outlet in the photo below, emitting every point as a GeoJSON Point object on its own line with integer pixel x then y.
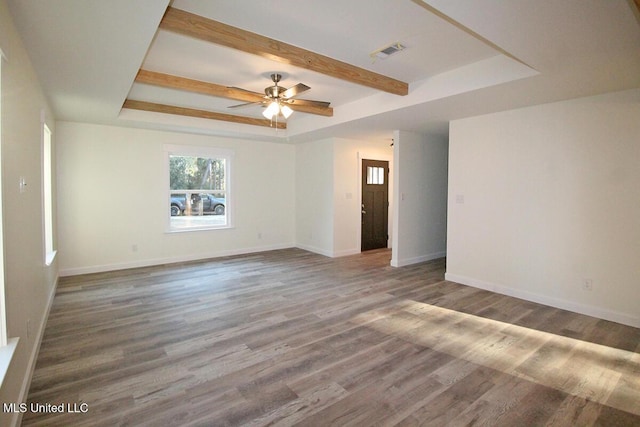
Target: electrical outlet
{"type": "Point", "coordinates": [587, 284]}
{"type": "Point", "coordinates": [22, 183]}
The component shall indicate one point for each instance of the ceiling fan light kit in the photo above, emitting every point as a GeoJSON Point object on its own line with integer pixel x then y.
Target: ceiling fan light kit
{"type": "Point", "coordinates": [286, 111]}
{"type": "Point", "coordinates": [277, 99]}
{"type": "Point", "coordinates": [276, 94]}
{"type": "Point", "coordinates": [272, 110]}
{"type": "Point", "coordinates": [276, 108]}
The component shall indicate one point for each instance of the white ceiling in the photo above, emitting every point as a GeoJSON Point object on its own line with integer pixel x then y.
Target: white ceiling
{"type": "Point", "coordinates": [87, 54]}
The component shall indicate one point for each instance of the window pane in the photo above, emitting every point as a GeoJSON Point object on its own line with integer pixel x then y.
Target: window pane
{"type": "Point", "coordinates": [375, 175]}
{"type": "Point", "coordinates": [196, 173]}
{"type": "Point", "coordinates": [198, 209]}
{"type": "Point", "coordinates": [197, 192]}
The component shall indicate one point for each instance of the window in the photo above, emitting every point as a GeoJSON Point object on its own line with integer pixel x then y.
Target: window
{"type": "Point", "coordinates": [199, 188]}
{"type": "Point", "coordinates": [375, 175]}
{"type": "Point", "coordinates": [47, 194]}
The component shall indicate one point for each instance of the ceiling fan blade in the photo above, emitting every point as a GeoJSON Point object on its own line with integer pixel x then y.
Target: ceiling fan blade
{"type": "Point", "coordinates": [246, 104]}
{"type": "Point", "coordinates": [320, 104]}
{"type": "Point", "coordinates": [247, 91]}
{"type": "Point", "coordinates": [294, 90]}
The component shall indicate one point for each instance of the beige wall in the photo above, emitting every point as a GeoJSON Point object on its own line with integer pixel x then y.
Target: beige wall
{"type": "Point", "coordinates": [314, 196]}
{"type": "Point", "coordinates": [347, 190]}
{"type": "Point", "coordinates": [420, 185]}
{"type": "Point", "coordinates": [29, 283]}
{"type": "Point", "coordinates": [112, 199]}
{"type": "Point", "coordinates": [543, 198]}
{"type": "Point", "coordinates": [328, 193]}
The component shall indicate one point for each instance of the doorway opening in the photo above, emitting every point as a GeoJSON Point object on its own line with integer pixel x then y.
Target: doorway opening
{"type": "Point", "coordinates": [375, 204]}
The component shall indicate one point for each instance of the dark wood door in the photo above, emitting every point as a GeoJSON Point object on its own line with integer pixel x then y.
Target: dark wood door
{"type": "Point", "coordinates": [375, 204]}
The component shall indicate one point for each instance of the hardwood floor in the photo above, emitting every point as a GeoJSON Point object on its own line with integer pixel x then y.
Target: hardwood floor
{"type": "Point", "coordinates": [293, 338]}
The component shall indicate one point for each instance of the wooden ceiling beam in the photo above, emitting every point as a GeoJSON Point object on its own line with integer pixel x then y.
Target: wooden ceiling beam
{"type": "Point", "coordinates": [197, 86]}
{"type": "Point", "coordinates": [189, 24]}
{"type": "Point", "coordinates": [203, 114]}
{"type": "Point", "coordinates": [206, 88]}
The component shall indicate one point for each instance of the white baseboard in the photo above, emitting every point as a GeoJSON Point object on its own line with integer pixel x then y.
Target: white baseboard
{"type": "Point", "coordinates": [169, 260]}
{"type": "Point", "coordinates": [346, 252]}
{"type": "Point", "coordinates": [330, 254]}
{"type": "Point", "coordinates": [315, 250]}
{"type": "Point", "coordinates": [589, 310]}
{"type": "Point", "coordinates": [416, 260]}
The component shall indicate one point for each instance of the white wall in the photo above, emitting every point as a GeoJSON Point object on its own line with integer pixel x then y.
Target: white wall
{"type": "Point", "coordinates": [420, 185]}
{"type": "Point", "coordinates": [29, 283]}
{"type": "Point", "coordinates": [347, 190]}
{"type": "Point", "coordinates": [328, 193]}
{"type": "Point", "coordinates": [542, 198]}
{"type": "Point", "coordinates": [113, 196]}
{"type": "Point", "coordinates": [314, 196]}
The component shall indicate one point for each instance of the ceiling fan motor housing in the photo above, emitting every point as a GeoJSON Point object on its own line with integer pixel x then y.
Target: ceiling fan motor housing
{"type": "Point", "coordinates": [275, 90]}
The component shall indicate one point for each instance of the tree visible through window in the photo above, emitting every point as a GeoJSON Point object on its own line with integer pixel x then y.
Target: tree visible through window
{"type": "Point", "coordinates": [198, 190]}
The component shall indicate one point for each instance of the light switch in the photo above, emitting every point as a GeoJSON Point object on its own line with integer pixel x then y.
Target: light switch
{"type": "Point", "coordinates": [23, 184]}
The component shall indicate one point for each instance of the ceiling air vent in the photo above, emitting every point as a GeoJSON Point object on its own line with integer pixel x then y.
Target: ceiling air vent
{"type": "Point", "coordinates": [387, 51]}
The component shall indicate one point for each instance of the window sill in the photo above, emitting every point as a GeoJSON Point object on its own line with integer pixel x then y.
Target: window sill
{"type": "Point", "coordinates": [48, 259]}
{"type": "Point", "coordinates": [191, 229]}
{"type": "Point", "coordinates": [6, 354]}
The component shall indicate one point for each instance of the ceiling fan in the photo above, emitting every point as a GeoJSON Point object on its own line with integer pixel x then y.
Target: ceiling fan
{"type": "Point", "coordinates": [279, 100]}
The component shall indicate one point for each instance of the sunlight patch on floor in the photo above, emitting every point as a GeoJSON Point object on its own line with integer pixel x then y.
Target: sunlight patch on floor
{"type": "Point", "coordinates": [603, 374]}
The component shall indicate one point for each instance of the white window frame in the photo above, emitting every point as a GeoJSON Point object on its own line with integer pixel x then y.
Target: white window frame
{"type": "Point", "coordinates": [47, 194]}
{"type": "Point", "coordinates": [205, 152]}
{"type": "Point", "coordinates": [7, 346]}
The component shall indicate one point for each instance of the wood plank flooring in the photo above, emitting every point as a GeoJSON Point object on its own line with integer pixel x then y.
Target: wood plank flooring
{"type": "Point", "coordinates": [293, 338]}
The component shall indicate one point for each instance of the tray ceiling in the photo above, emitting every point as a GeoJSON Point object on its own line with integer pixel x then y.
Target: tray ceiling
{"type": "Point", "coordinates": [461, 58]}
